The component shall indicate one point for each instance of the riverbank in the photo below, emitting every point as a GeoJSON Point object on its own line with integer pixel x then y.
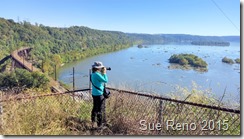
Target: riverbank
{"type": "Point", "coordinates": [74, 56]}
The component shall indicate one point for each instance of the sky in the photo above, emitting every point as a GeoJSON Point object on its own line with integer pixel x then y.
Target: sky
{"type": "Point", "coordinates": [194, 17]}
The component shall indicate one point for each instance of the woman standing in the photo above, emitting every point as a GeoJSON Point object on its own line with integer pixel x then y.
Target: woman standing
{"type": "Point", "coordinates": [98, 78]}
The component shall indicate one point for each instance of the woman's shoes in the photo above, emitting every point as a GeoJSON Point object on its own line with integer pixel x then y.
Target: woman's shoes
{"type": "Point", "coordinates": [98, 126]}
{"type": "Point", "coordinates": [93, 124]}
{"type": "Point", "coordinates": [101, 127]}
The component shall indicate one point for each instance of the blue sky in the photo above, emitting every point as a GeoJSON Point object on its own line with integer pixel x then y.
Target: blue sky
{"type": "Point", "coordinates": [195, 17]}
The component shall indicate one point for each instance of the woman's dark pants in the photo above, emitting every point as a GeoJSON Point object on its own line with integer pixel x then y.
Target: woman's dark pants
{"type": "Point", "coordinates": [98, 110]}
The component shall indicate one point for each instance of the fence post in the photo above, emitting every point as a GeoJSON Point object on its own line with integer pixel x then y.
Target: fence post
{"type": "Point", "coordinates": [160, 116]}
{"type": "Point", "coordinates": [73, 83]}
{"type": "Point", "coordinates": [55, 72]}
{"type": "Point", "coordinates": [73, 78]}
{"type": "Point", "coordinates": [42, 65]}
{"type": "Point", "coordinates": [1, 111]}
{"type": "Point", "coordinates": [90, 81]}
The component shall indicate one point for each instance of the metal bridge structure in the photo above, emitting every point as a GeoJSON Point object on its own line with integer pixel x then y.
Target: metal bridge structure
{"type": "Point", "coordinates": [18, 58]}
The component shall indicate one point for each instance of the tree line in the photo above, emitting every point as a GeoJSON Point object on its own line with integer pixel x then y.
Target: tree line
{"type": "Point", "coordinates": [179, 38]}
{"type": "Point", "coordinates": [53, 46]}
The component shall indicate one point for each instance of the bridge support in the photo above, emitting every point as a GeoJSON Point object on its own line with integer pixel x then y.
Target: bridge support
{"type": "Point", "coordinates": [12, 65]}
{"type": "Point", "coordinates": [15, 64]}
{"type": "Point", "coordinates": [25, 53]}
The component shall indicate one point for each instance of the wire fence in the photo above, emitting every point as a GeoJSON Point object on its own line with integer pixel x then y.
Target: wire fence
{"type": "Point", "coordinates": [128, 113]}
{"type": "Point", "coordinates": [147, 114]}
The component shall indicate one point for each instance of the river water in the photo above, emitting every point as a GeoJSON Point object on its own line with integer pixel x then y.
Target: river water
{"type": "Point", "coordinates": [147, 70]}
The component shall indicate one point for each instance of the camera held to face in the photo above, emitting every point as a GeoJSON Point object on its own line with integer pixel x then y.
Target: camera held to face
{"type": "Point", "coordinates": [108, 68]}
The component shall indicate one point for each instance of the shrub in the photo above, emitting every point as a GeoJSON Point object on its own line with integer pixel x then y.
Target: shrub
{"type": "Point", "coordinates": [21, 77]}
{"type": "Point", "coordinates": [227, 60]}
{"type": "Point", "coordinates": [140, 46]}
{"type": "Point", "coordinates": [183, 61]}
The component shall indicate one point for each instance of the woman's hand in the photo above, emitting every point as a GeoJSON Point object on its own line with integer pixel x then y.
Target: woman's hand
{"type": "Point", "coordinates": [104, 70]}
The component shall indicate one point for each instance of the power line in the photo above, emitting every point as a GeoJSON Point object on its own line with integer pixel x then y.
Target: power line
{"type": "Point", "coordinates": [225, 15]}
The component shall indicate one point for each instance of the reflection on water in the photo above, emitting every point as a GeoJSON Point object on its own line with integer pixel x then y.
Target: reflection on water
{"type": "Point", "coordinates": [147, 69]}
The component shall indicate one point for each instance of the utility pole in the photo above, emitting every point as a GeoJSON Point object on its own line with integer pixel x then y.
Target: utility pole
{"type": "Point", "coordinates": [55, 72]}
{"type": "Point", "coordinates": [42, 66]}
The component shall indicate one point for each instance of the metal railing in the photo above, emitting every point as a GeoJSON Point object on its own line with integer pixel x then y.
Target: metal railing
{"type": "Point", "coordinates": [128, 113]}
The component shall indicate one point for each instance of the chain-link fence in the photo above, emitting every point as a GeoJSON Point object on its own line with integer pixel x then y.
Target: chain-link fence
{"type": "Point", "coordinates": [128, 113]}
{"type": "Point", "coordinates": [145, 114]}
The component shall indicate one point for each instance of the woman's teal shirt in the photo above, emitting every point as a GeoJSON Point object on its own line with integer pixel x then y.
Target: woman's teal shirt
{"type": "Point", "coordinates": [98, 80]}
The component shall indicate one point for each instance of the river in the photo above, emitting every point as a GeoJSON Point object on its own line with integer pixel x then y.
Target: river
{"type": "Point", "coordinates": [147, 70]}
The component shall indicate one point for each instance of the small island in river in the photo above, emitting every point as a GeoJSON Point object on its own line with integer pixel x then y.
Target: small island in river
{"type": "Point", "coordinates": [142, 46]}
{"type": "Point", "coordinates": [231, 61]}
{"type": "Point", "coordinates": [187, 60]}
{"type": "Point", "coordinates": [211, 43]}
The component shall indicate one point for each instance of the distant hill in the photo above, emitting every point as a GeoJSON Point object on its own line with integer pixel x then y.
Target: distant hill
{"type": "Point", "coordinates": [211, 43]}
{"type": "Point", "coordinates": [231, 38]}
{"type": "Point", "coordinates": [178, 38]}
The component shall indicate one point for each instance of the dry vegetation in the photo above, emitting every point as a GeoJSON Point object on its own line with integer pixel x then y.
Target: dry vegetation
{"type": "Point", "coordinates": [65, 115]}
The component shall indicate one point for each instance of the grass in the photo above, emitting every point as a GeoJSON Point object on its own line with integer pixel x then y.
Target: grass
{"type": "Point", "coordinates": [63, 115]}
{"type": "Point", "coordinates": [42, 116]}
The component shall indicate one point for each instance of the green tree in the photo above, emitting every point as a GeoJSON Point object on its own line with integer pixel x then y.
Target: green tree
{"type": "Point", "coordinates": [57, 59]}
{"type": "Point", "coordinates": [40, 80]}
{"type": "Point", "coordinates": [23, 78]}
{"type": "Point", "coordinates": [47, 68]}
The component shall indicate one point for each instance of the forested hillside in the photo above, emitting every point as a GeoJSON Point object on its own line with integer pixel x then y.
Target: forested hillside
{"type": "Point", "coordinates": [58, 45]}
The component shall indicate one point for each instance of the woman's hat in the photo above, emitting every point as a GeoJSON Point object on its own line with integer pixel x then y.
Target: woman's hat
{"type": "Point", "coordinates": [97, 65]}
